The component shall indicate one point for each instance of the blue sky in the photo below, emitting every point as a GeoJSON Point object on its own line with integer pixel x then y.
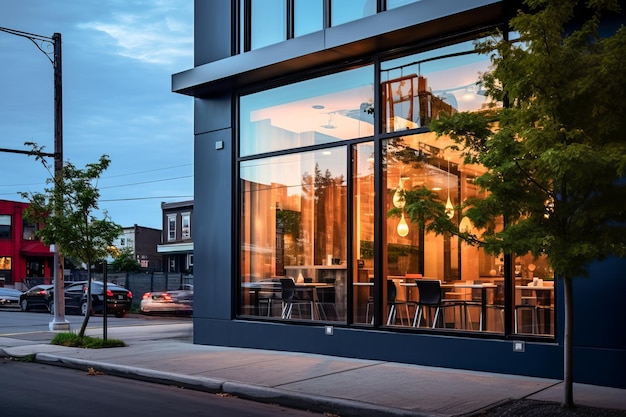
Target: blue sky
{"type": "Point", "coordinates": [118, 57]}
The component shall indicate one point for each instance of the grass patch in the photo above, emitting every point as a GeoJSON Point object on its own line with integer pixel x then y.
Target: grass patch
{"type": "Point", "coordinates": [88, 342]}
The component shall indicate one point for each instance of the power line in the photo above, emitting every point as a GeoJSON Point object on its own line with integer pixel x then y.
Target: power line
{"type": "Point", "coordinates": [146, 182]}
{"type": "Point", "coordinates": [107, 177]}
{"type": "Point", "coordinates": [145, 198]}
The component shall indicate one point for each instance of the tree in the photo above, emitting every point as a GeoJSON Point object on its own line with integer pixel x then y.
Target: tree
{"type": "Point", "coordinates": [66, 211]}
{"type": "Point", "coordinates": [555, 153]}
{"type": "Point", "coordinates": [124, 261]}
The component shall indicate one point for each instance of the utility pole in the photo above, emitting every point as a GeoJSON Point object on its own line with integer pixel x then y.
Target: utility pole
{"type": "Point", "coordinates": [59, 323]}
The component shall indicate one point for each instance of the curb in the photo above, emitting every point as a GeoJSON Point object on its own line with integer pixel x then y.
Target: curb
{"type": "Point", "coordinates": [317, 403]}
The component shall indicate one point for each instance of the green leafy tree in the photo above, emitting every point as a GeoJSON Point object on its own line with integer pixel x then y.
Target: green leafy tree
{"type": "Point", "coordinates": [66, 210]}
{"type": "Point", "coordinates": [124, 261]}
{"type": "Point", "coordinates": [555, 154]}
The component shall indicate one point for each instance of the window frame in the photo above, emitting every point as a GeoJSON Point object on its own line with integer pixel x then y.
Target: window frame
{"type": "Point", "coordinates": [171, 227]}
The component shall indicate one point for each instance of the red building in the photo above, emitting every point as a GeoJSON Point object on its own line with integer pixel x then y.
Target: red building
{"type": "Point", "coordinates": [22, 255]}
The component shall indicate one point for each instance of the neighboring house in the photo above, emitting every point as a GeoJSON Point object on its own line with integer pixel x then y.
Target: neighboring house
{"type": "Point", "coordinates": [22, 256]}
{"type": "Point", "coordinates": [142, 243]}
{"type": "Point", "coordinates": [310, 120]}
{"type": "Point", "coordinates": [177, 240]}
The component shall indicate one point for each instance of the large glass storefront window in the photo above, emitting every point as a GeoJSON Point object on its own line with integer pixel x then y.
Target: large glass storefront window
{"type": "Point", "coordinates": [328, 213]}
{"type": "Point", "coordinates": [294, 243]}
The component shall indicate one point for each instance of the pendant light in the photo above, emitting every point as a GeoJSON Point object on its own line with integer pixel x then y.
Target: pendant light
{"type": "Point", "coordinates": [398, 198]}
{"type": "Point", "coordinates": [449, 206]}
{"type": "Point", "coordinates": [403, 227]}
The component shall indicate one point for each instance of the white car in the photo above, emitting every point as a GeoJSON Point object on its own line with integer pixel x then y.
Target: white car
{"type": "Point", "coordinates": [176, 302]}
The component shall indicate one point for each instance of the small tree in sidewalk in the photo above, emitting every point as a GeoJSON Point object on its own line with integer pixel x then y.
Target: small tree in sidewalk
{"type": "Point", "coordinates": [66, 211]}
{"type": "Point", "coordinates": [556, 153]}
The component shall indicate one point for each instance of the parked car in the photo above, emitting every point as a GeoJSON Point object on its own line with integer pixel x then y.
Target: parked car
{"type": "Point", "coordinates": [36, 298]}
{"type": "Point", "coordinates": [9, 297]}
{"type": "Point", "coordinates": [177, 301]}
{"type": "Point", "coordinates": [119, 299]}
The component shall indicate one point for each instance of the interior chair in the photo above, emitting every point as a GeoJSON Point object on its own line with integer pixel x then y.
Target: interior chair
{"type": "Point", "coordinates": [545, 310]}
{"type": "Point", "coordinates": [393, 303]}
{"type": "Point", "coordinates": [498, 303]}
{"type": "Point", "coordinates": [529, 304]}
{"type": "Point", "coordinates": [430, 298]}
{"type": "Point", "coordinates": [289, 298]}
{"type": "Point", "coordinates": [326, 300]}
{"type": "Point", "coordinates": [370, 302]}
{"type": "Point", "coordinates": [270, 293]}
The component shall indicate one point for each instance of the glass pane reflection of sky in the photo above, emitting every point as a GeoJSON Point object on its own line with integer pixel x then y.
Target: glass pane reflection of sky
{"type": "Point", "coordinates": [289, 170]}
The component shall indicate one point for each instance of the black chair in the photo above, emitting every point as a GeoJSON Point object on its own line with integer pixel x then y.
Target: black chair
{"type": "Point", "coordinates": [528, 303]}
{"type": "Point", "coordinates": [269, 290]}
{"type": "Point", "coordinates": [429, 298]}
{"type": "Point", "coordinates": [370, 302]}
{"type": "Point", "coordinates": [545, 311]}
{"type": "Point", "coordinates": [498, 303]}
{"type": "Point", "coordinates": [289, 298]}
{"type": "Point", "coordinates": [326, 298]}
{"type": "Point", "coordinates": [393, 303]}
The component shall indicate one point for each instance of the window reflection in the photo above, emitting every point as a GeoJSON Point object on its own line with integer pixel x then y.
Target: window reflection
{"type": "Point", "coordinates": [322, 110]}
{"type": "Point", "coordinates": [268, 23]}
{"type": "Point", "coordinates": [308, 16]}
{"type": "Point", "coordinates": [343, 11]}
{"type": "Point", "coordinates": [294, 226]}
{"type": "Point", "coordinates": [392, 4]}
{"type": "Point", "coordinates": [419, 87]}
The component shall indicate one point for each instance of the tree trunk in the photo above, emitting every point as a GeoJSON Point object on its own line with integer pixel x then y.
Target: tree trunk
{"type": "Point", "coordinates": [568, 383]}
{"type": "Point", "coordinates": [88, 313]}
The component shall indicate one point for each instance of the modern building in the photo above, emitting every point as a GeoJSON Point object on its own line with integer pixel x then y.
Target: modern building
{"type": "Point", "coordinates": [142, 242]}
{"type": "Point", "coordinates": [22, 255]}
{"type": "Point", "coordinates": [176, 245]}
{"type": "Point", "coordinates": [311, 122]}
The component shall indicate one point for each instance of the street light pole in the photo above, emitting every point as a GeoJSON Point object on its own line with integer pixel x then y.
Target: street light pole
{"type": "Point", "coordinates": [59, 322]}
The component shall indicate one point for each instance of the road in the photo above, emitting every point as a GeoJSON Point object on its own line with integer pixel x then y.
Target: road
{"type": "Point", "coordinates": [31, 389]}
{"type": "Point", "coordinates": [30, 324]}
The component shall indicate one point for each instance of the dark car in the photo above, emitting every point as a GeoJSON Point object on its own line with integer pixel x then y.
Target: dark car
{"type": "Point", "coordinates": [9, 297]}
{"type": "Point", "coordinates": [119, 299]}
{"type": "Point", "coordinates": [36, 298]}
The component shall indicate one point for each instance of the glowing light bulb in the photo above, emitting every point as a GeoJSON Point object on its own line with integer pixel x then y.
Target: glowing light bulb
{"type": "Point", "coordinates": [449, 208]}
{"type": "Point", "coordinates": [403, 227]}
{"type": "Point", "coordinates": [398, 197]}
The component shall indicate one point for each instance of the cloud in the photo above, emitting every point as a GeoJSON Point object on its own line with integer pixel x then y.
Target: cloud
{"type": "Point", "coordinates": [161, 35]}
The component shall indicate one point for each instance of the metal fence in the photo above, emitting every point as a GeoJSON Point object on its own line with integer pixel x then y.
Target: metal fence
{"type": "Point", "coordinates": [141, 283]}
{"type": "Point", "coordinates": [138, 283]}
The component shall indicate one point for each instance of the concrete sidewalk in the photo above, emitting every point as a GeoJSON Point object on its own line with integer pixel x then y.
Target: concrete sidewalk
{"type": "Point", "coordinates": [346, 387]}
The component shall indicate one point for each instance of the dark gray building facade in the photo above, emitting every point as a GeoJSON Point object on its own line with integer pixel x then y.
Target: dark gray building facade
{"type": "Point", "coordinates": [310, 119]}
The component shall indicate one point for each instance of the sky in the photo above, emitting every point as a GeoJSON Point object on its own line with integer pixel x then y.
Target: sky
{"type": "Point", "coordinates": [117, 60]}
